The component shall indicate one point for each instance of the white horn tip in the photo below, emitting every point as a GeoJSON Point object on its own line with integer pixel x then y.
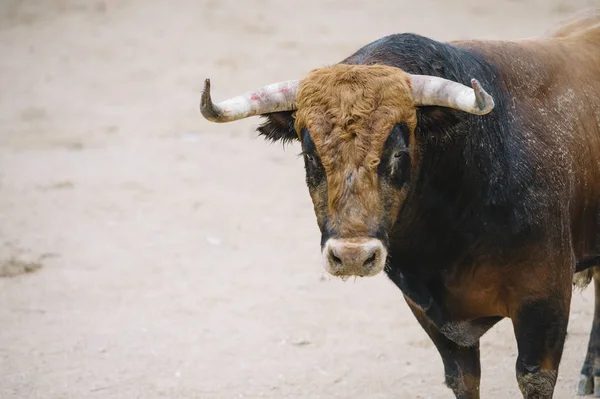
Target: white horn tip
{"type": "Point", "coordinates": [206, 84]}
{"type": "Point", "coordinates": [484, 103]}
{"type": "Point", "coordinates": [206, 105]}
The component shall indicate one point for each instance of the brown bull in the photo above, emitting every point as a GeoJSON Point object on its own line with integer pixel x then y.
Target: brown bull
{"type": "Point", "coordinates": [478, 204]}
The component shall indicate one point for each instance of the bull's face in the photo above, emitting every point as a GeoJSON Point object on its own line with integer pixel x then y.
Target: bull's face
{"type": "Point", "coordinates": [356, 127]}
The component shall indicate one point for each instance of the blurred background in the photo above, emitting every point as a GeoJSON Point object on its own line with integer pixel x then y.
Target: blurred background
{"type": "Point", "coordinates": [147, 253]}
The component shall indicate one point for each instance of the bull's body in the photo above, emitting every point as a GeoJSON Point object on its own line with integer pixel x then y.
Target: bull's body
{"type": "Point", "coordinates": [502, 209]}
{"type": "Point", "coordinates": [491, 214]}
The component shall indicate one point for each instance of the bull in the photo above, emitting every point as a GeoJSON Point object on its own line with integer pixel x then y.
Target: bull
{"type": "Point", "coordinates": [468, 171]}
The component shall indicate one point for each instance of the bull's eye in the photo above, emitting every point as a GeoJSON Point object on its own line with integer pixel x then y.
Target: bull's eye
{"type": "Point", "coordinates": [395, 162]}
{"type": "Point", "coordinates": [315, 174]}
{"type": "Point", "coordinates": [314, 170]}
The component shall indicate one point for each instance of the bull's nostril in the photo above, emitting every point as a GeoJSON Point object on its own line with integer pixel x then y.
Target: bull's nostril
{"type": "Point", "coordinates": [370, 260]}
{"type": "Point", "coordinates": [335, 260]}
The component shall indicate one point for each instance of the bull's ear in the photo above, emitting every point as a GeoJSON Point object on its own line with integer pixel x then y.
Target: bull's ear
{"type": "Point", "coordinates": [437, 121]}
{"type": "Point", "coordinates": [278, 126]}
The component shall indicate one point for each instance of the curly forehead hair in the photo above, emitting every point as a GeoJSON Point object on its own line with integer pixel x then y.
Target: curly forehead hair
{"type": "Point", "coordinates": [349, 111]}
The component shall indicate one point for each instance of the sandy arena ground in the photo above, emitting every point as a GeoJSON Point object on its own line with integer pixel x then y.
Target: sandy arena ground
{"type": "Point", "coordinates": [174, 258]}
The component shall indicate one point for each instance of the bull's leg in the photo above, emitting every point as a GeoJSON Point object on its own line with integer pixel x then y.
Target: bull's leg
{"type": "Point", "coordinates": [589, 382]}
{"type": "Point", "coordinates": [541, 328]}
{"type": "Point", "coordinates": [461, 364]}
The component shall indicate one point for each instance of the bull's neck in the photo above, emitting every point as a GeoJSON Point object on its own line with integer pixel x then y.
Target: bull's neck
{"type": "Point", "coordinates": [467, 180]}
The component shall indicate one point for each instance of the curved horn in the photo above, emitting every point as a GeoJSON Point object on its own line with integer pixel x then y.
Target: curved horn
{"type": "Point", "coordinates": [432, 90]}
{"type": "Point", "coordinates": [275, 97]}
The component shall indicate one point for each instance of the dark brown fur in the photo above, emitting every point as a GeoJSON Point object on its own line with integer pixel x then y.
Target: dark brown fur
{"type": "Point", "coordinates": [565, 93]}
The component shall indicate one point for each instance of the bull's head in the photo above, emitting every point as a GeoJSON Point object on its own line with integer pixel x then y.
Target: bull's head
{"type": "Point", "coordinates": [356, 126]}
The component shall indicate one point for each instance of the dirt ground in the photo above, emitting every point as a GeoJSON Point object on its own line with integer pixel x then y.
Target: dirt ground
{"type": "Point", "coordinates": [167, 257]}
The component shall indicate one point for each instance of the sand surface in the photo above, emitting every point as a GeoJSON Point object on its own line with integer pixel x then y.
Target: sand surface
{"type": "Point", "coordinates": [168, 257]}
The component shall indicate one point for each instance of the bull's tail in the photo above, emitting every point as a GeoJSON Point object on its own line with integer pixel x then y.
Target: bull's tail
{"type": "Point", "coordinates": [585, 270]}
{"type": "Point", "coordinates": [582, 279]}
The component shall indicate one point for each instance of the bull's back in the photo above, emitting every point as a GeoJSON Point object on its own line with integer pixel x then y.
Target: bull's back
{"type": "Point", "coordinates": [585, 22]}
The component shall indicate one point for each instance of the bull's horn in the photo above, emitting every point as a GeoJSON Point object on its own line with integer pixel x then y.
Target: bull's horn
{"type": "Point", "coordinates": [432, 90]}
{"type": "Point", "coordinates": [275, 97]}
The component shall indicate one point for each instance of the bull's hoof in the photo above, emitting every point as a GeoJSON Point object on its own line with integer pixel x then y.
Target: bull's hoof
{"type": "Point", "coordinates": [589, 386]}
{"type": "Point", "coordinates": [586, 385]}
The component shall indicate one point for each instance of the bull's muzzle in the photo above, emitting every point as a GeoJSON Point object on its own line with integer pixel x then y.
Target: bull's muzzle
{"type": "Point", "coordinates": [354, 256]}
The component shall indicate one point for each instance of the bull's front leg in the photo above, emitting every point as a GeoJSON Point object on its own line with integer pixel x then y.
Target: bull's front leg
{"type": "Point", "coordinates": [589, 382]}
{"type": "Point", "coordinates": [540, 329]}
{"type": "Point", "coordinates": [461, 364]}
